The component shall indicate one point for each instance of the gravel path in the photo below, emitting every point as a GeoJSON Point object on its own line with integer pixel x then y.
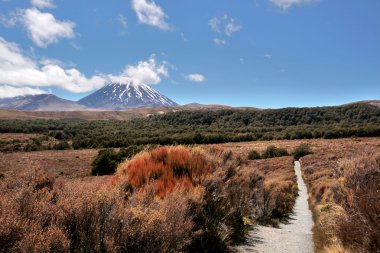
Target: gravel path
{"type": "Point", "coordinates": [295, 236]}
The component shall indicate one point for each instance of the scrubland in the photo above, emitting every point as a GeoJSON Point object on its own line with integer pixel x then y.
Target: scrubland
{"type": "Point", "coordinates": [195, 127]}
{"type": "Point", "coordinates": [187, 199]}
{"type": "Point", "coordinates": [166, 199]}
{"type": "Point", "coordinates": [344, 195]}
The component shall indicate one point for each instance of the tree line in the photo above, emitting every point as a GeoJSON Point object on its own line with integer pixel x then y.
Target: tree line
{"type": "Point", "coordinates": [202, 127]}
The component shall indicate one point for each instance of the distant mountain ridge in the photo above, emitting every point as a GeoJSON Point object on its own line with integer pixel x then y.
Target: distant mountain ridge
{"type": "Point", "coordinates": [142, 112]}
{"type": "Point", "coordinates": [139, 101]}
{"type": "Point", "coordinates": [41, 102]}
{"type": "Point", "coordinates": [121, 96]}
{"type": "Point", "coordinates": [112, 97]}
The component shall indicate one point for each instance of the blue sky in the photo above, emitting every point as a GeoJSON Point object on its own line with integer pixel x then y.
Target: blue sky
{"type": "Point", "coordinates": [263, 53]}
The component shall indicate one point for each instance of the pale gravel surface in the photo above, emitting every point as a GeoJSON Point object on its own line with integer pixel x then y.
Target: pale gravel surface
{"type": "Point", "coordinates": [294, 237]}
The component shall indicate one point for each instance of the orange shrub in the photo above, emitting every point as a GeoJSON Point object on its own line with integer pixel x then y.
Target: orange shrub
{"type": "Point", "coordinates": [166, 167]}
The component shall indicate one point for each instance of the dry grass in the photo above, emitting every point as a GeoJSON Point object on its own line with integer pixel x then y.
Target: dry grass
{"type": "Point", "coordinates": [103, 115]}
{"type": "Point", "coordinates": [319, 146]}
{"type": "Point", "coordinates": [279, 189]}
{"type": "Point", "coordinates": [48, 205]}
{"type": "Point", "coordinates": [18, 141]}
{"type": "Point", "coordinates": [17, 136]}
{"type": "Point", "coordinates": [41, 214]}
{"type": "Point", "coordinates": [67, 163]}
{"type": "Point", "coordinates": [344, 196]}
{"type": "Point", "coordinates": [207, 199]}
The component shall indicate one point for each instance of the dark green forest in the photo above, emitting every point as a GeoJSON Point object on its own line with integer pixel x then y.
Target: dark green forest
{"type": "Point", "coordinates": [199, 127]}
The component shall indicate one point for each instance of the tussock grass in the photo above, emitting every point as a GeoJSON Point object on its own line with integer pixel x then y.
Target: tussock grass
{"type": "Point", "coordinates": [345, 199]}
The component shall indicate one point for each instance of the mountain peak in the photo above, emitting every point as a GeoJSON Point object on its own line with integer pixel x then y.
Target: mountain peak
{"type": "Point", "coordinates": [120, 96]}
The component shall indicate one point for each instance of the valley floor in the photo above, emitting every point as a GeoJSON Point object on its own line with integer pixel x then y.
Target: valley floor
{"type": "Point", "coordinates": [334, 174]}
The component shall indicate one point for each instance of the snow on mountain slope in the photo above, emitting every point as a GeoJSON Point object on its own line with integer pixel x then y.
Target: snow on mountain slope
{"type": "Point", "coordinates": [119, 96]}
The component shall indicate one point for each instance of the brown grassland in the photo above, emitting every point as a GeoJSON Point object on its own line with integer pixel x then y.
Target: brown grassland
{"type": "Point", "coordinates": [344, 192]}
{"type": "Point", "coordinates": [186, 199]}
{"type": "Point", "coordinates": [104, 115]}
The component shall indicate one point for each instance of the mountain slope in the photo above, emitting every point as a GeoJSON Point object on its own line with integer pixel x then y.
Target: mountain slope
{"type": "Point", "coordinates": [119, 96]}
{"type": "Point", "coordinates": [43, 102]}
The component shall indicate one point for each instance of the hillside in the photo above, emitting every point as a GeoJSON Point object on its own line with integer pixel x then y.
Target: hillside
{"type": "Point", "coordinates": [128, 114]}
{"type": "Point", "coordinates": [42, 102]}
{"type": "Point", "coordinates": [6, 114]}
{"type": "Point", "coordinates": [208, 126]}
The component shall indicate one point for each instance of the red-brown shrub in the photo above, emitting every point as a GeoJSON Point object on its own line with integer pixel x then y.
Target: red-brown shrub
{"type": "Point", "coordinates": [166, 167]}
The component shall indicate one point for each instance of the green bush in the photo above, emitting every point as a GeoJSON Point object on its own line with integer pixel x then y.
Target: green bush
{"type": "Point", "coordinates": [273, 151]}
{"type": "Point", "coordinates": [62, 145]}
{"type": "Point", "coordinates": [105, 163]}
{"type": "Point", "coordinates": [107, 160]}
{"type": "Point", "coordinates": [253, 155]}
{"type": "Point", "coordinates": [301, 150]}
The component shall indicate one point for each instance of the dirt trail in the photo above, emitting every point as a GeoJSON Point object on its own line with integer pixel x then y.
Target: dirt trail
{"type": "Point", "coordinates": [295, 236]}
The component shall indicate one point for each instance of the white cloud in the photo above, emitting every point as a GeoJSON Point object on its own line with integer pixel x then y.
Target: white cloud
{"type": "Point", "coordinates": [268, 56]}
{"type": "Point", "coordinates": [42, 27]}
{"type": "Point", "coordinates": [7, 91]}
{"type": "Point", "coordinates": [183, 37]}
{"type": "Point", "coordinates": [224, 23]}
{"type": "Point", "coordinates": [285, 4]}
{"type": "Point", "coordinates": [21, 75]}
{"type": "Point", "coordinates": [48, 61]}
{"type": "Point", "coordinates": [42, 3]}
{"type": "Point", "coordinates": [20, 71]}
{"type": "Point", "coordinates": [122, 21]}
{"type": "Point", "coordinates": [220, 42]}
{"type": "Point", "coordinates": [231, 27]}
{"type": "Point", "coordinates": [196, 78]}
{"type": "Point", "coordinates": [214, 24]}
{"type": "Point", "coordinates": [149, 13]}
{"type": "Point", "coordinates": [9, 20]}
{"type": "Point", "coordinates": [224, 27]}
{"type": "Point", "coordinates": [145, 72]}
{"type": "Point", "coordinates": [75, 45]}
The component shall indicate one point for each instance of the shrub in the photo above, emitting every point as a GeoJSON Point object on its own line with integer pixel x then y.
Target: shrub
{"type": "Point", "coordinates": [105, 163]}
{"type": "Point", "coordinates": [150, 224]}
{"type": "Point", "coordinates": [167, 167]}
{"type": "Point", "coordinates": [345, 198]}
{"type": "Point", "coordinates": [301, 150]}
{"type": "Point", "coordinates": [107, 160]}
{"type": "Point", "coordinates": [362, 203]}
{"type": "Point", "coordinates": [253, 155]}
{"type": "Point", "coordinates": [273, 151]}
{"type": "Point", "coordinates": [62, 145]}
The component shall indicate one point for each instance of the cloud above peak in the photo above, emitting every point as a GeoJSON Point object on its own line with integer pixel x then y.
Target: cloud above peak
{"type": "Point", "coordinates": [286, 4]}
{"type": "Point", "coordinates": [21, 75]}
{"type": "Point", "coordinates": [7, 91]}
{"type": "Point", "coordinates": [149, 13]}
{"type": "Point", "coordinates": [20, 71]}
{"type": "Point", "coordinates": [144, 72]}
